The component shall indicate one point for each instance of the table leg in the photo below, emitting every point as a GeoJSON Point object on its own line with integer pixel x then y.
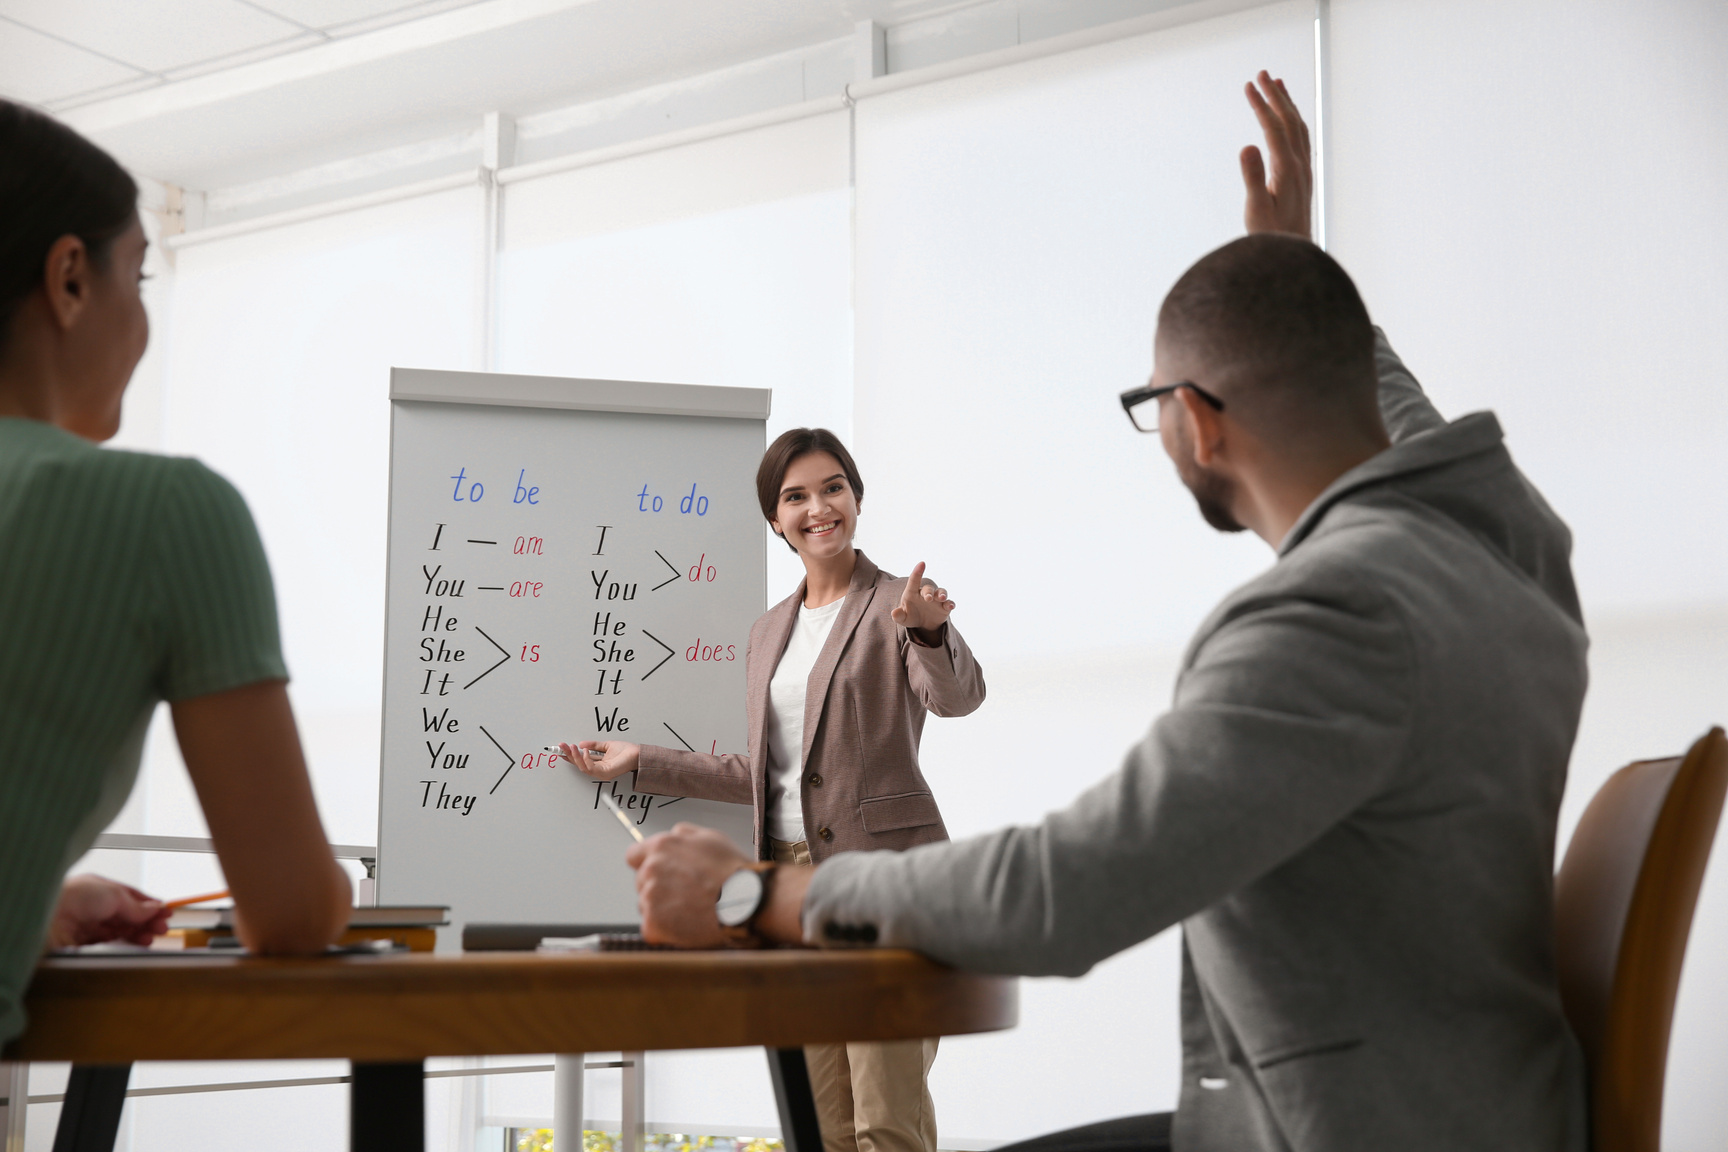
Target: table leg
{"type": "Point", "coordinates": [90, 1117]}
{"type": "Point", "coordinates": [798, 1126]}
{"type": "Point", "coordinates": [386, 1108]}
{"type": "Point", "coordinates": [567, 1102]}
{"type": "Point", "coordinates": [15, 1083]}
{"type": "Point", "coordinates": [632, 1113]}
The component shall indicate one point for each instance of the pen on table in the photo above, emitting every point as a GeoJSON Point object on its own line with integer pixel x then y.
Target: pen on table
{"type": "Point", "coordinates": [191, 900]}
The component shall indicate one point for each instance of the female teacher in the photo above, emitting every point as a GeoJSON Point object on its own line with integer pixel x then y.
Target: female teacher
{"type": "Point", "coordinates": [838, 678]}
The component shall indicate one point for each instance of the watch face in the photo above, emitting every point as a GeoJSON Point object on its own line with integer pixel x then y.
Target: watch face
{"type": "Point", "coordinates": [739, 896]}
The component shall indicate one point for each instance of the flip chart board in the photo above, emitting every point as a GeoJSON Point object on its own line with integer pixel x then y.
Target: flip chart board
{"type": "Point", "coordinates": [568, 559]}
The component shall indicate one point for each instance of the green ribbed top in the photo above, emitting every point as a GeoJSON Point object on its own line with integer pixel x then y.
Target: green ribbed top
{"type": "Point", "coordinates": [125, 579]}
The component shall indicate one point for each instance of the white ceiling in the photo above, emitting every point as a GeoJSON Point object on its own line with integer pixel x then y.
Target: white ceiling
{"type": "Point", "coordinates": [63, 53]}
{"type": "Point", "coordinates": [214, 94]}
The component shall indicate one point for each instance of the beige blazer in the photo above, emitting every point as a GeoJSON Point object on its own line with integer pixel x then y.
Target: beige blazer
{"type": "Point", "coordinates": [864, 714]}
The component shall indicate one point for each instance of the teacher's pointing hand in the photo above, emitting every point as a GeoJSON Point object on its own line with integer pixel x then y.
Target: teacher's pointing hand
{"type": "Point", "coordinates": [923, 608]}
{"type": "Point", "coordinates": [602, 759]}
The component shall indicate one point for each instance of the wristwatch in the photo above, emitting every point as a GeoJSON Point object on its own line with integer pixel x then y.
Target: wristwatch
{"type": "Point", "coordinates": [742, 896]}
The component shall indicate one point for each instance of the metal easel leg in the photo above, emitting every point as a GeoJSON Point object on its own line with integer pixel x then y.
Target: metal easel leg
{"type": "Point", "coordinates": [90, 1117]}
{"type": "Point", "coordinates": [15, 1087]}
{"type": "Point", "coordinates": [633, 1112]}
{"type": "Point", "coordinates": [386, 1108]}
{"type": "Point", "coordinates": [799, 1128]}
{"type": "Point", "coordinates": [567, 1103]}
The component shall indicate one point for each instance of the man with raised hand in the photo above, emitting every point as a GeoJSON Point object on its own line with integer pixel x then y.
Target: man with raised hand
{"type": "Point", "coordinates": [1350, 805]}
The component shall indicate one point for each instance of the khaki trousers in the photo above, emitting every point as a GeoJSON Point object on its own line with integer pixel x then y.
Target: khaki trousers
{"type": "Point", "coordinates": [872, 1096]}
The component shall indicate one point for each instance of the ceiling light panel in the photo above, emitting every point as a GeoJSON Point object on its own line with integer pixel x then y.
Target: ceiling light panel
{"type": "Point", "coordinates": [158, 36]}
{"type": "Point", "coordinates": [39, 68]}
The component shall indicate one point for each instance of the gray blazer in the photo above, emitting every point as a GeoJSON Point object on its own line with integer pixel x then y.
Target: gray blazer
{"type": "Point", "coordinates": [1350, 808]}
{"type": "Point", "coordinates": [864, 715]}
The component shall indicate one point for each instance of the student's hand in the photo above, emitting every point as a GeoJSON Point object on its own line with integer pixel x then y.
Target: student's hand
{"type": "Point", "coordinates": [1282, 203]}
{"type": "Point", "coordinates": [923, 606]}
{"type": "Point", "coordinates": [678, 878]}
{"type": "Point", "coordinates": [94, 910]}
{"type": "Point", "coordinates": [616, 758]}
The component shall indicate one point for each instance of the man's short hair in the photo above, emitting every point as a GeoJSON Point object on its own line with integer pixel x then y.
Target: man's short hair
{"type": "Point", "coordinates": [1275, 315]}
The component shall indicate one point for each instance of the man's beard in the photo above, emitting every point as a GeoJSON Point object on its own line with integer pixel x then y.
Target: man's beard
{"type": "Point", "coordinates": [1212, 494]}
{"type": "Point", "coordinates": [1211, 491]}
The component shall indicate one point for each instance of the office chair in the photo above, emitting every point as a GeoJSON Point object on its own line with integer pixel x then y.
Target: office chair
{"type": "Point", "coordinates": [1623, 904]}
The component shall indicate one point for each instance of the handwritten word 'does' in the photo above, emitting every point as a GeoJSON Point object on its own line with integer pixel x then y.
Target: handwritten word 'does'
{"type": "Point", "coordinates": [721, 652]}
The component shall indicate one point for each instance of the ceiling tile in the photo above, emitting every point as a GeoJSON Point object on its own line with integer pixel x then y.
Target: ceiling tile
{"type": "Point", "coordinates": [156, 36]}
{"type": "Point", "coordinates": [39, 68]}
{"type": "Point", "coordinates": [330, 13]}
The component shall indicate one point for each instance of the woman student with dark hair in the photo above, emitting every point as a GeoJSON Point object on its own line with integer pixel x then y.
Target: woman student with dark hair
{"type": "Point", "coordinates": [126, 578]}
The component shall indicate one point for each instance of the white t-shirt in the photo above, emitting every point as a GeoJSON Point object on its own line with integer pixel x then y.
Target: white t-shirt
{"type": "Point", "coordinates": [786, 693]}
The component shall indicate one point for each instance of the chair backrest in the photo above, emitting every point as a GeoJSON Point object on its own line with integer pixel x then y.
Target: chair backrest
{"type": "Point", "coordinates": [1623, 904]}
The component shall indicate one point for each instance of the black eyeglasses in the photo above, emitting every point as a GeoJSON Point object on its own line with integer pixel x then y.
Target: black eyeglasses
{"type": "Point", "coordinates": [1141, 403]}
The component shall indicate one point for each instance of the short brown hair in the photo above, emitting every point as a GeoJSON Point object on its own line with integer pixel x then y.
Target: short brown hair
{"type": "Point", "coordinates": [788, 447]}
{"type": "Point", "coordinates": [1281, 314]}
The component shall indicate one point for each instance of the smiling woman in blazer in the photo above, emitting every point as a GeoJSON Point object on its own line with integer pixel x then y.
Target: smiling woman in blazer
{"type": "Point", "coordinates": [839, 676]}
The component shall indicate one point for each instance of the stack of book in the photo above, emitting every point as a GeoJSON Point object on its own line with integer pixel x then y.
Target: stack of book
{"type": "Point", "coordinates": [408, 926]}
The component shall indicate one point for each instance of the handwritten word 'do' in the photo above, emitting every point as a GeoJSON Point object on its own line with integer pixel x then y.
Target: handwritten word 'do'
{"type": "Point", "coordinates": [725, 653]}
{"type": "Point", "coordinates": [703, 572]}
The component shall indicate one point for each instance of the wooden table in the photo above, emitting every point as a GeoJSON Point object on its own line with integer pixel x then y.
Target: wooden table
{"type": "Point", "coordinates": [388, 1013]}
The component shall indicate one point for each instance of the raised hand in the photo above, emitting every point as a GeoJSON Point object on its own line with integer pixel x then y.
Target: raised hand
{"type": "Point", "coordinates": [615, 758]}
{"type": "Point", "coordinates": [923, 606]}
{"type": "Point", "coordinates": [94, 909]}
{"type": "Point", "coordinates": [1282, 203]}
